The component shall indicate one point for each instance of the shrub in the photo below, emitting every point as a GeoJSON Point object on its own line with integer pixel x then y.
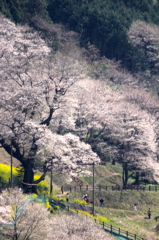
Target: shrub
{"type": "Point", "coordinates": [157, 229]}
{"type": "Point", "coordinates": [5, 174]}
{"type": "Point", "coordinates": [42, 187]}
{"type": "Point", "coordinates": [80, 202]}
{"type": "Point", "coordinates": [102, 219]}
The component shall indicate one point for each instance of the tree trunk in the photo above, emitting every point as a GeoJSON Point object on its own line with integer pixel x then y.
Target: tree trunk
{"type": "Point", "coordinates": [15, 235]}
{"type": "Point", "coordinates": [125, 175]}
{"type": "Point", "coordinates": [29, 176]}
{"type": "Point", "coordinates": [137, 181]}
{"type": "Point", "coordinates": [29, 185]}
{"type": "Point", "coordinates": [113, 162]}
{"type": "Point", "coordinates": [29, 166]}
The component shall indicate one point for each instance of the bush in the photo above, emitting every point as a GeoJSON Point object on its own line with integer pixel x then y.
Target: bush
{"type": "Point", "coordinates": [80, 202]}
{"type": "Point", "coordinates": [5, 174]}
{"type": "Point", "coordinates": [42, 187]}
{"type": "Point", "coordinates": [157, 229]}
{"type": "Point", "coordinates": [75, 227]}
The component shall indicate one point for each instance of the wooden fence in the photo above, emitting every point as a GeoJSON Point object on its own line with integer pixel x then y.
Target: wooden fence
{"type": "Point", "coordinates": [119, 231]}
{"type": "Point", "coordinates": [107, 227]}
{"type": "Point", "coordinates": [115, 230]}
{"type": "Point", "coordinates": [112, 188]}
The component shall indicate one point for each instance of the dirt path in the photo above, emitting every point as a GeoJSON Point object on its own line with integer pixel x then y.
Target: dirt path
{"type": "Point", "coordinates": [111, 174]}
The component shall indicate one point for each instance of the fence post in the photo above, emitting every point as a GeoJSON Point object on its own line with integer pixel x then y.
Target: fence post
{"type": "Point", "coordinates": [80, 187]}
{"type": "Point", "coordinates": [103, 224]}
{"type": "Point", "coordinates": [111, 228]}
{"type": "Point", "coordinates": [149, 188]}
{"type": "Point", "coordinates": [106, 188]}
{"type": "Point", "coordinates": [135, 236]}
{"type": "Point", "coordinates": [70, 189]}
{"type": "Point", "coordinates": [127, 233]}
{"type": "Point", "coordinates": [87, 188]}
{"type": "Point", "coordinates": [156, 188]}
{"type": "Point", "coordinates": [119, 231]}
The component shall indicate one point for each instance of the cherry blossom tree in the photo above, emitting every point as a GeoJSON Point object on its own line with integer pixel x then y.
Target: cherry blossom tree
{"type": "Point", "coordinates": [144, 39]}
{"type": "Point", "coordinates": [21, 218]}
{"type": "Point", "coordinates": [34, 85]}
{"type": "Point", "coordinates": [75, 228]}
{"type": "Point", "coordinates": [52, 113]}
{"type": "Point", "coordinates": [119, 125]}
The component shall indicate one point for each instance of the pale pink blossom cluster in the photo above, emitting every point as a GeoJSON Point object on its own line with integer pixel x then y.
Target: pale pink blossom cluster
{"type": "Point", "coordinates": [25, 218]}
{"type": "Point", "coordinates": [48, 100]}
{"type": "Point", "coordinates": [34, 84]}
{"type": "Point", "coordinates": [128, 119]}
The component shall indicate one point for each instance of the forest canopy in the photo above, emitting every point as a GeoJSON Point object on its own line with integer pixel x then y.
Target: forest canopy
{"type": "Point", "coordinates": [103, 23]}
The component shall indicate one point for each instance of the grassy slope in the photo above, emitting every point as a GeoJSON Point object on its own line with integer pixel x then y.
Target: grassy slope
{"type": "Point", "coordinates": [134, 222]}
{"type": "Point", "coordinates": [5, 158]}
{"type": "Point", "coordinates": [118, 204]}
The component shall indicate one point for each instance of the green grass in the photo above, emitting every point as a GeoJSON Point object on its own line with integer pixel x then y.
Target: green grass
{"type": "Point", "coordinates": [5, 158]}
{"type": "Point", "coordinates": [134, 222]}
{"type": "Point", "coordinates": [120, 212]}
{"type": "Point", "coordinates": [118, 208]}
{"type": "Point", "coordinates": [119, 204]}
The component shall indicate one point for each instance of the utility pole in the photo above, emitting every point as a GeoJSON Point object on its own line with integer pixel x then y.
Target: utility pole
{"type": "Point", "coordinates": [93, 193]}
{"type": "Point", "coordinates": [93, 181]}
{"type": "Point", "coordinates": [51, 177]}
{"type": "Point", "coordinates": [11, 167]}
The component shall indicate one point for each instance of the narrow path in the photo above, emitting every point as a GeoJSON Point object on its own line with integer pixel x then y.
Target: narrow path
{"type": "Point", "coordinates": [101, 179]}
